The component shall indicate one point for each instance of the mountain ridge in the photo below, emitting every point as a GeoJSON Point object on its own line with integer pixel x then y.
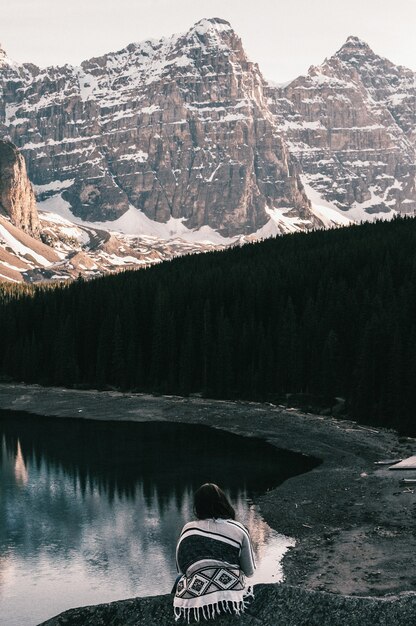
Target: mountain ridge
{"type": "Point", "coordinates": [350, 121]}
{"type": "Point", "coordinates": [181, 137]}
{"type": "Point", "coordinates": [203, 83]}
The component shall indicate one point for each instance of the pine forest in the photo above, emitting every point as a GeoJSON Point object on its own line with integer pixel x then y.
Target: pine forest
{"type": "Point", "coordinates": [330, 314]}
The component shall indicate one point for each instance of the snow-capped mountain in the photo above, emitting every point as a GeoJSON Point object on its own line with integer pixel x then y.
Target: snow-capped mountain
{"type": "Point", "coordinates": [176, 128]}
{"type": "Point", "coordinates": [351, 122]}
{"type": "Point", "coordinates": [179, 145]}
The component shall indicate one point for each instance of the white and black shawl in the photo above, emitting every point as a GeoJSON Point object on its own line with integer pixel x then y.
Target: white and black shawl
{"type": "Point", "coordinates": [213, 556]}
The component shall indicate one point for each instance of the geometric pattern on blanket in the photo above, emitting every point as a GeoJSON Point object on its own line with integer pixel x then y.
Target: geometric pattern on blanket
{"type": "Point", "coordinates": [210, 591]}
{"type": "Point", "coordinates": [209, 580]}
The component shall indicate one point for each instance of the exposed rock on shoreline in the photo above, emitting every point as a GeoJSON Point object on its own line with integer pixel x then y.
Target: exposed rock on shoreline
{"type": "Point", "coordinates": [272, 604]}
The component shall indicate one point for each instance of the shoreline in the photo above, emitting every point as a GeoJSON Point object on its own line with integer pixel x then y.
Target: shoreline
{"type": "Point", "coordinates": [352, 520]}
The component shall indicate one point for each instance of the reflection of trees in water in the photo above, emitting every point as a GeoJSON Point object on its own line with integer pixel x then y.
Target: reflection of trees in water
{"type": "Point", "coordinates": [20, 470]}
{"type": "Point", "coordinates": [52, 517]}
{"type": "Point", "coordinates": [260, 531]}
{"type": "Point", "coordinates": [114, 456]}
{"type": "Point", "coordinates": [117, 494]}
{"type": "Point", "coordinates": [5, 567]}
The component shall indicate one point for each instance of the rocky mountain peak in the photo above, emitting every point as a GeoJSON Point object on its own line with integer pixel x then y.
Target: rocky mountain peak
{"type": "Point", "coordinates": [213, 34]}
{"type": "Point", "coordinates": [181, 133]}
{"type": "Point", "coordinates": [394, 86]}
{"type": "Point", "coordinates": [355, 43]}
{"type": "Point", "coordinates": [213, 23]}
{"type": "Point", "coordinates": [17, 198]}
{"type": "Point", "coordinates": [209, 42]}
{"type": "Point", "coordinates": [177, 128]}
{"type": "Point", "coordinates": [351, 124]}
{"type": "Point", "coordinates": [8, 68]}
{"type": "Point", "coordinates": [214, 29]}
{"type": "Point", "coordinates": [3, 56]}
{"type": "Point", "coordinates": [354, 51]}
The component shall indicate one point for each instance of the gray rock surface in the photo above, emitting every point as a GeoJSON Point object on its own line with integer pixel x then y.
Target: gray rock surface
{"type": "Point", "coordinates": [351, 123]}
{"type": "Point", "coordinates": [186, 127]}
{"type": "Point", "coordinates": [273, 604]}
{"type": "Point", "coordinates": [17, 198]}
{"type": "Point", "coordinates": [178, 127]}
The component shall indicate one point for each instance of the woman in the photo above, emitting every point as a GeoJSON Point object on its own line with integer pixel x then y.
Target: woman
{"type": "Point", "coordinates": [214, 554]}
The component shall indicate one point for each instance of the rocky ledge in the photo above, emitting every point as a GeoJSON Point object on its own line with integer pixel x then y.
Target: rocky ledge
{"type": "Point", "coordinates": [272, 604]}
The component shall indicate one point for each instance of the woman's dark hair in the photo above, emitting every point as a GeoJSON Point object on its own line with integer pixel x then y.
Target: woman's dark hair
{"type": "Point", "coordinates": [211, 501]}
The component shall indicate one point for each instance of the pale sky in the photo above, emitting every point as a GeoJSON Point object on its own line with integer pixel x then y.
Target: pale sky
{"type": "Point", "coordinates": [284, 37]}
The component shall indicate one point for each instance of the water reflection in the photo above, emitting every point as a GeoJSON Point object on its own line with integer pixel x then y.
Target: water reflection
{"type": "Point", "coordinates": [91, 511]}
{"type": "Point", "coordinates": [20, 470]}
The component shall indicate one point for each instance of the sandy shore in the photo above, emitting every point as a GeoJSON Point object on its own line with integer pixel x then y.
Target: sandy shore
{"type": "Point", "coordinates": [355, 523]}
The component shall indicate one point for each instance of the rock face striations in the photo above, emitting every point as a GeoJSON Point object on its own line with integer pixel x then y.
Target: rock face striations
{"type": "Point", "coordinates": [183, 134]}
{"type": "Point", "coordinates": [175, 128]}
{"type": "Point", "coordinates": [17, 198]}
{"type": "Point", "coordinates": [351, 122]}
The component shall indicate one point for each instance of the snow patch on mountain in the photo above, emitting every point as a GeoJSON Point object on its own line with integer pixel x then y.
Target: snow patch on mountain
{"type": "Point", "coordinates": [8, 240]}
{"type": "Point", "coordinates": [66, 227]}
{"type": "Point", "coordinates": [140, 156]}
{"type": "Point", "coordinates": [333, 216]}
{"type": "Point", "coordinates": [135, 222]}
{"type": "Point", "coordinates": [55, 185]}
{"type": "Point", "coordinates": [326, 211]}
{"type": "Point", "coordinates": [280, 223]}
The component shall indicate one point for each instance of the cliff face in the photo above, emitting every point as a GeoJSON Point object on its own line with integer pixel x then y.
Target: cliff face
{"type": "Point", "coordinates": [176, 128]}
{"type": "Point", "coordinates": [184, 133]}
{"type": "Point", "coordinates": [17, 198]}
{"type": "Point", "coordinates": [351, 123]}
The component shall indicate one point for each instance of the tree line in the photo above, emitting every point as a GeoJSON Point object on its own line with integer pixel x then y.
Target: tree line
{"type": "Point", "coordinates": [327, 313]}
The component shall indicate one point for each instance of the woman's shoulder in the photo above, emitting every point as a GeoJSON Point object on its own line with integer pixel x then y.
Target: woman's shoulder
{"type": "Point", "coordinates": [196, 523]}
{"type": "Point", "coordinates": [236, 526]}
{"type": "Point", "coordinates": [233, 522]}
{"type": "Point", "coordinates": [220, 522]}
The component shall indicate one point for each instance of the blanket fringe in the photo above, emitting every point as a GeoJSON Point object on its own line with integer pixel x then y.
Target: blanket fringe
{"type": "Point", "coordinates": [210, 611]}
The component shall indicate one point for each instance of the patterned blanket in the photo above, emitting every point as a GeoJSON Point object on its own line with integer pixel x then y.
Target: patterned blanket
{"type": "Point", "coordinates": [209, 592]}
{"type": "Point", "coordinates": [211, 554]}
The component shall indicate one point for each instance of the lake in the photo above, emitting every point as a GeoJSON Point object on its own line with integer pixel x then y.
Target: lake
{"type": "Point", "coordinates": [90, 511]}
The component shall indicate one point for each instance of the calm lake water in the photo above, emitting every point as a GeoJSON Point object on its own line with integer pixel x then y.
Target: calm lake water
{"type": "Point", "coordinates": [91, 511]}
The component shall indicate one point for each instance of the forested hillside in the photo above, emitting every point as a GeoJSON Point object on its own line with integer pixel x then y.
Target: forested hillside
{"type": "Point", "coordinates": [326, 313]}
